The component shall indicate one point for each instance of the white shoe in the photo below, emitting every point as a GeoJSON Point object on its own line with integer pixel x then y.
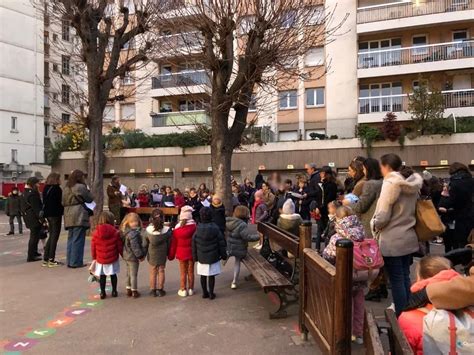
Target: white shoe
{"type": "Point", "coordinates": [190, 292]}
{"type": "Point", "coordinates": [357, 340]}
{"type": "Point", "coordinates": [182, 293]}
{"type": "Point", "coordinates": [233, 286]}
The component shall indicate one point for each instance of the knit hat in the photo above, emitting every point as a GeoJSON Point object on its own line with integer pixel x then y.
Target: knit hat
{"type": "Point", "coordinates": [186, 213]}
{"type": "Point", "coordinates": [288, 207]}
{"type": "Point", "coordinates": [427, 175]}
{"type": "Point", "coordinates": [259, 194]}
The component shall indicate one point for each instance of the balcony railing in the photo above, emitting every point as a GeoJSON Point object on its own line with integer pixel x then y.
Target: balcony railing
{"type": "Point", "coordinates": [181, 79]}
{"type": "Point", "coordinates": [180, 43]}
{"type": "Point", "coordinates": [399, 103]}
{"type": "Point", "coordinates": [403, 9]}
{"type": "Point", "coordinates": [183, 118]}
{"type": "Point", "coordinates": [416, 54]}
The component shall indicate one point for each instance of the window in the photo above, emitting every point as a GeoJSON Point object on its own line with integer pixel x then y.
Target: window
{"type": "Point", "coordinates": [65, 118]}
{"type": "Point", "coordinates": [66, 30]}
{"type": "Point", "coordinates": [315, 97]}
{"type": "Point", "coordinates": [314, 57]}
{"type": "Point", "coordinates": [419, 41]}
{"type": "Point", "coordinates": [14, 155]}
{"type": "Point", "coordinates": [288, 136]}
{"type": "Point", "coordinates": [190, 105]}
{"type": "Point", "coordinates": [128, 79]}
{"type": "Point", "coordinates": [46, 129]}
{"type": "Point", "coordinates": [370, 54]}
{"type": "Point", "coordinates": [55, 96]}
{"type": "Point", "coordinates": [128, 111]}
{"type": "Point", "coordinates": [14, 124]}
{"type": "Point", "coordinates": [130, 5]}
{"type": "Point", "coordinates": [383, 97]}
{"type": "Point", "coordinates": [65, 63]}
{"type": "Point", "coordinates": [459, 36]}
{"type": "Point", "coordinates": [289, 62]}
{"type": "Point", "coordinates": [165, 106]}
{"type": "Point", "coordinates": [55, 37]}
{"type": "Point", "coordinates": [253, 103]}
{"type": "Point", "coordinates": [109, 113]}
{"type": "Point", "coordinates": [288, 99]}
{"type": "Point", "coordinates": [55, 68]}
{"type": "Point", "coordinates": [65, 93]}
{"type": "Point", "coordinates": [317, 15]}
{"type": "Point", "coordinates": [288, 19]}
{"type": "Point", "coordinates": [246, 24]}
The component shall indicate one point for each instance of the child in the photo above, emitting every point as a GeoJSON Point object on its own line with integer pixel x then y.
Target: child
{"type": "Point", "coordinates": [208, 248]}
{"type": "Point", "coordinates": [348, 226]}
{"type": "Point", "coordinates": [178, 197]}
{"type": "Point", "coordinates": [168, 198]}
{"type": "Point", "coordinates": [238, 239]}
{"type": "Point", "coordinates": [218, 212]}
{"type": "Point", "coordinates": [106, 246]}
{"type": "Point", "coordinates": [156, 243]}
{"type": "Point", "coordinates": [329, 231]}
{"type": "Point", "coordinates": [289, 220]}
{"type": "Point", "coordinates": [143, 197]}
{"type": "Point", "coordinates": [194, 203]}
{"type": "Point", "coordinates": [181, 248]}
{"type": "Point", "coordinates": [430, 269]}
{"type": "Point", "coordinates": [259, 213]}
{"type": "Point", "coordinates": [133, 252]}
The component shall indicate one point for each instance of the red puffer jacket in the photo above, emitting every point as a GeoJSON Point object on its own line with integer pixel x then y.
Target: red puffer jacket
{"type": "Point", "coordinates": [181, 243]}
{"type": "Point", "coordinates": [106, 244]}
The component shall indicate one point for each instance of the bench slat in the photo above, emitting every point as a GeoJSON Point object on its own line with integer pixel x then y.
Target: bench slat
{"type": "Point", "coordinates": [277, 235]}
{"type": "Point", "coordinates": [265, 274]}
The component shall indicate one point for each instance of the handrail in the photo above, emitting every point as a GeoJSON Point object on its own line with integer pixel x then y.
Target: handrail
{"type": "Point", "coordinates": [405, 2]}
{"type": "Point", "coordinates": [409, 94]}
{"type": "Point", "coordinates": [458, 43]}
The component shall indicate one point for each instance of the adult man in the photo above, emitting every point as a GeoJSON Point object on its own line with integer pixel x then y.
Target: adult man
{"type": "Point", "coordinates": [31, 207]}
{"type": "Point", "coordinates": [13, 210]}
{"type": "Point", "coordinates": [115, 197]}
{"type": "Point", "coordinates": [314, 189]}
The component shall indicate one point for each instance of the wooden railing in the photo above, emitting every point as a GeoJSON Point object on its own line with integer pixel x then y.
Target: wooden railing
{"type": "Point", "coordinates": [326, 299]}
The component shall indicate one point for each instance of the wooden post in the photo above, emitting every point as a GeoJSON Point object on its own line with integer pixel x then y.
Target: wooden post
{"type": "Point", "coordinates": [305, 242]}
{"type": "Point", "coordinates": [343, 297]}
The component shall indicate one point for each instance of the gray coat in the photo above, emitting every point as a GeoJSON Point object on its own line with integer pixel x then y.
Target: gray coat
{"type": "Point", "coordinates": [157, 244]}
{"type": "Point", "coordinates": [290, 223]}
{"type": "Point", "coordinates": [365, 207]}
{"type": "Point", "coordinates": [395, 215]}
{"type": "Point", "coordinates": [133, 249]}
{"type": "Point", "coordinates": [238, 237]}
{"type": "Point", "coordinates": [75, 215]}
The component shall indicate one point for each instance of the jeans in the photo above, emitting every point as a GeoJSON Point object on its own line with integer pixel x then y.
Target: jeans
{"type": "Point", "coordinates": [398, 271]}
{"type": "Point", "coordinates": [12, 225]}
{"type": "Point", "coordinates": [54, 224]}
{"type": "Point", "coordinates": [157, 271]}
{"type": "Point", "coordinates": [75, 246]}
{"type": "Point", "coordinates": [33, 242]}
{"type": "Point", "coordinates": [132, 275]}
{"type": "Point", "coordinates": [186, 269]}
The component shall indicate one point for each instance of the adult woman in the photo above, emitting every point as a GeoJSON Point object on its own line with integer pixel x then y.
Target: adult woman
{"type": "Point", "coordinates": [393, 224]}
{"type": "Point", "coordinates": [459, 199]}
{"type": "Point", "coordinates": [356, 172]}
{"type": "Point", "coordinates": [32, 206]}
{"type": "Point", "coordinates": [268, 196]}
{"type": "Point", "coordinates": [53, 211]}
{"type": "Point", "coordinates": [76, 217]}
{"type": "Point", "coordinates": [329, 189]}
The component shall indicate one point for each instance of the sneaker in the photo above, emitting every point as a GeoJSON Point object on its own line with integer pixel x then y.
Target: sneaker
{"type": "Point", "coordinates": [45, 264]}
{"type": "Point", "coordinates": [182, 293]}
{"type": "Point", "coordinates": [233, 285]}
{"type": "Point", "coordinates": [190, 292]}
{"type": "Point", "coordinates": [357, 340]}
{"type": "Point", "coordinates": [53, 263]}
{"type": "Point", "coordinates": [153, 293]}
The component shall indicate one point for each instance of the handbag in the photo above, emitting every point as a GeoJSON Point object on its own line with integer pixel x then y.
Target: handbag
{"type": "Point", "coordinates": [428, 223]}
{"type": "Point", "coordinates": [367, 260]}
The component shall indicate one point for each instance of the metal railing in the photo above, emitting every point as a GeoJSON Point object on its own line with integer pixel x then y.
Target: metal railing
{"type": "Point", "coordinates": [185, 78]}
{"type": "Point", "coordinates": [183, 118]}
{"type": "Point", "coordinates": [399, 103]}
{"type": "Point", "coordinates": [416, 54]}
{"type": "Point", "coordinates": [403, 9]}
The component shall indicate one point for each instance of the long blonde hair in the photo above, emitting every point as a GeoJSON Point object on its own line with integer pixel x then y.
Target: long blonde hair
{"type": "Point", "coordinates": [132, 216]}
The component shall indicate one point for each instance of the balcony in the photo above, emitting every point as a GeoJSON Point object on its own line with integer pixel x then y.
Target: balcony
{"type": "Point", "coordinates": [184, 118]}
{"type": "Point", "coordinates": [182, 83]}
{"type": "Point", "coordinates": [412, 14]}
{"type": "Point", "coordinates": [180, 44]}
{"type": "Point", "coordinates": [372, 109]}
{"type": "Point", "coordinates": [416, 59]}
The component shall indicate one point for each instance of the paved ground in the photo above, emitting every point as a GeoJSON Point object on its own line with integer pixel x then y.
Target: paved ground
{"type": "Point", "coordinates": [34, 300]}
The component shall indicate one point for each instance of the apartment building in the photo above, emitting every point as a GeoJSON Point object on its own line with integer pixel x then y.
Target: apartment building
{"type": "Point", "coordinates": [21, 98]}
{"type": "Point", "coordinates": [371, 68]}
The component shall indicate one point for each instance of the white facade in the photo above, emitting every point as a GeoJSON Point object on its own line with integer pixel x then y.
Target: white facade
{"type": "Point", "coordinates": [21, 90]}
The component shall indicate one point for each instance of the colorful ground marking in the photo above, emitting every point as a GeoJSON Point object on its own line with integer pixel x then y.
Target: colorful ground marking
{"type": "Point", "coordinates": [77, 312]}
{"type": "Point", "coordinates": [60, 322]}
{"type": "Point", "coordinates": [41, 333]}
{"type": "Point", "coordinates": [21, 344]}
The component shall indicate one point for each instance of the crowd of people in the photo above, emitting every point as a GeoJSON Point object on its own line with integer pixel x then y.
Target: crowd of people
{"type": "Point", "coordinates": [376, 201]}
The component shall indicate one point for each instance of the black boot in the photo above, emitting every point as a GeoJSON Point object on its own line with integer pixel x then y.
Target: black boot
{"type": "Point", "coordinates": [373, 295]}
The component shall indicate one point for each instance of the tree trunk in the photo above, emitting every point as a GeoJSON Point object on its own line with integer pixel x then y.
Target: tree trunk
{"type": "Point", "coordinates": [221, 162]}
{"type": "Point", "coordinates": [96, 161]}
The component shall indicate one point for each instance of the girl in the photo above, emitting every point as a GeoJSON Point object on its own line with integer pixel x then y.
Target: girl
{"type": "Point", "coordinates": [430, 270]}
{"type": "Point", "coordinates": [143, 196]}
{"type": "Point", "coordinates": [208, 248]}
{"type": "Point", "coordinates": [348, 226]}
{"type": "Point", "coordinates": [168, 197]}
{"type": "Point", "coordinates": [181, 248]}
{"type": "Point", "coordinates": [133, 252]}
{"type": "Point", "coordinates": [106, 246]}
{"type": "Point", "coordinates": [289, 220]}
{"type": "Point", "coordinates": [156, 243]}
{"type": "Point", "coordinates": [330, 228]}
{"type": "Point", "coordinates": [178, 198]}
{"type": "Point", "coordinates": [218, 212]}
{"type": "Point", "coordinates": [259, 213]}
{"type": "Point", "coordinates": [238, 238]}
{"type": "Point", "coordinates": [302, 205]}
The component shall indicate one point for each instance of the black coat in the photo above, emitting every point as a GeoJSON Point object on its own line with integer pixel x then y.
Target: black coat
{"type": "Point", "coordinates": [314, 190]}
{"type": "Point", "coordinates": [31, 208]}
{"type": "Point", "coordinates": [209, 245]}
{"type": "Point", "coordinates": [218, 216]}
{"type": "Point", "coordinates": [52, 201]}
{"type": "Point", "coordinates": [13, 206]}
{"type": "Point", "coordinates": [196, 206]}
{"type": "Point", "coordinates": [329, 195]}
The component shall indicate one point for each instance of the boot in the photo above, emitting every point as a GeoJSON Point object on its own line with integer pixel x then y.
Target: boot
{"type": "Point", "coordinates": [129, 292]}
{"type": "Point", "coordinates": [153, 293]}
{"type": "Point", "coordinates": [135, 294]}
{"type": "Point", "coordinates": [373, 295]}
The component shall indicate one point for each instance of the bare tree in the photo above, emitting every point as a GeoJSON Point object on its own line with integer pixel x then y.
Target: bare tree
{"type": "Point", "coordinates": [245, 45]}
{"type": "Point", "coordinates": [103, 29]}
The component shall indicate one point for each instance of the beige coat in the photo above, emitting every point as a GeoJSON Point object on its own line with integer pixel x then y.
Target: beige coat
{"type": "Point", "coordinates": [394, 218]}
{"type": "Point", "coordinates": [365, 207]}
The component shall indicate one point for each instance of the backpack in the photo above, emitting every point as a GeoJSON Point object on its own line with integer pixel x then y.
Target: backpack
{"type": "Point", "coordinates": [367, 260]}
{"type": "Point", "coordinates": [448, 332]}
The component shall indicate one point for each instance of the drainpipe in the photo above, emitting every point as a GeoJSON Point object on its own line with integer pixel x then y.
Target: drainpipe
{"type": "Point", "coordinates": [455, 123]}
{"type": "Point", "coordinates": [35, 78]}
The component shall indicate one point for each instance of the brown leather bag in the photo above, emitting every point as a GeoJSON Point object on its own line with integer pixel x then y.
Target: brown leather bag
{"type": "Point", "coordinates": [428, 223]}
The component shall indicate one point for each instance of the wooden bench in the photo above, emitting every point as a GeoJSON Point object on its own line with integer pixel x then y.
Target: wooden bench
{"type": "Point", "coordinates": [145, 212]}
{"type": "Point", "coordinates": [373, 344]}
{"type": "Point", "coordinates": [398, 342]}
{"type": "Point", "coordinates": [281, 290]}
